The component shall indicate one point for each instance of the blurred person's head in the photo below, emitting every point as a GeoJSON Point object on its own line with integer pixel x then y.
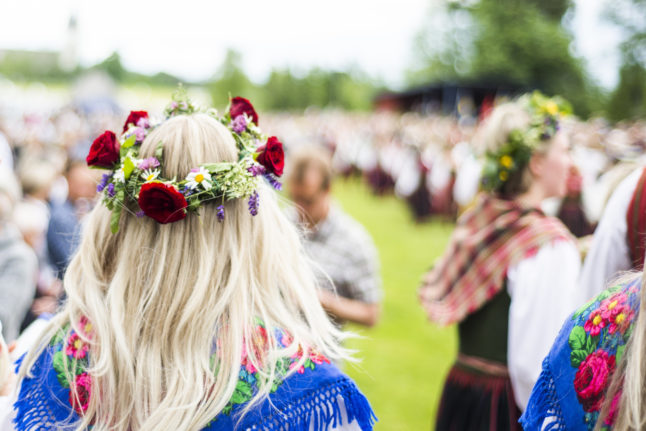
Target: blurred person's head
{"type": "Point", "coordinates": [161, 296]}
{"type": "Point", "coordinates": [546, 171]}
{"type": "Point", "coordinates": [309, 183]}
{"type": "Point", "coordinates": [9, 194]}
{"type": "Point", "coordinates": [36, 177]}
{"type": "Point", "coordinates": [81, 180]}
{"type": "Point", "coordinates": [32, 223]}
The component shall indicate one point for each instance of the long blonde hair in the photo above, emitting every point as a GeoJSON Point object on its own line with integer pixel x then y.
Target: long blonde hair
{"type": "Point", "coordinates": [160, 297]}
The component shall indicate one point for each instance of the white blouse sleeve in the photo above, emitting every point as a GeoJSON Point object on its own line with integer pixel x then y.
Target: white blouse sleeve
{"type": "Point", "coordinates": [609, 252]}
{"type": "Point", "coordinates": [543, 293]}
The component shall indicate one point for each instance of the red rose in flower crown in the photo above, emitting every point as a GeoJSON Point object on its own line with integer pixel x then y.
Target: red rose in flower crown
{"type": "Point", "coordinates": [104, 152]}
{"type": "Point", "coordinates": [162, 202]}
{"type": "Point", "coordinates": [592, 378]}
{"type": "Point", "coordinates": [271, 156]}
{"type": "Point", "coordinates": [134, 118]}
{"type": "Point", "coordinates": [239, 106]}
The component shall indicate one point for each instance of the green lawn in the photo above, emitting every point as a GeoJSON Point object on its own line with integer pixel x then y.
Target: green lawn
{"type": "Point", "coordinates": [405, 358]}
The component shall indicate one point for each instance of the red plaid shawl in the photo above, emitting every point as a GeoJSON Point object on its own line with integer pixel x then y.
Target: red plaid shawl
{"type": "Point", "coordinates": [487, 240]}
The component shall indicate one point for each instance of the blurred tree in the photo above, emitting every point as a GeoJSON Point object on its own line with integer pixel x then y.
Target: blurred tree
{"type": "Point", "coordinates": [113, 67]}
{"type": "Point", "coordinates": [506, 42]}
{"type": "Point", "coordinates": [628, 100]}
{"type": "Point", "coordinates": [230, 79]}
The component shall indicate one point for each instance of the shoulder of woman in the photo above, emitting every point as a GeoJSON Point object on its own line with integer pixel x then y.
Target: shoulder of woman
{"type": "Point", "coordinates": [580, 365]}
{"type": "Point", "coordinates": [316, 396]}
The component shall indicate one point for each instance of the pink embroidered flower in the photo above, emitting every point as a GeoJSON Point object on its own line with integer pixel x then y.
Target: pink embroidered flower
{"type": "Point", "coordinates": [318, 358]}
{"type": "Point", "coordinates": [299, 370]}
{"type": "Point", "coordinates": [246, 361]}
{"type": "Point", "coordinates": [610, 306]}
{"type": "Point", "coordinates": [259, 343]}
{"type": "Point", "coordinates": [620, 320]}
{"type": "Point", "coordinates": [76, 347]}
{"type": "Point", "coordinates": [614, 408]}
{"type": "Point", "coordinates": [595, 323]}
{"type": "Point", "coordinates": [80, 393]}
{"type": "Point", "coordinates": [592, 378]}
{"type": "Point", "coordinates": [85, 326]}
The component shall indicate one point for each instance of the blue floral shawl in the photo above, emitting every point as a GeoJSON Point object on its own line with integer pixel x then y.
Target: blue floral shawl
{"type": "Point", "coordinates": [312, 398]}
{"type": "Point", "coordinates": [579, 368]}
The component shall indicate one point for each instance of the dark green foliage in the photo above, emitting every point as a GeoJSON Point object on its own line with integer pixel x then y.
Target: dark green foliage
{"type": "Point", "coordinates": [519, 43]}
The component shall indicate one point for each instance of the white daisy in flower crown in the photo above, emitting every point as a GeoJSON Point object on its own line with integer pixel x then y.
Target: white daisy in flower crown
{"type": "Point", "coordinates": [150, 175]}
{"type": "Point", "coordinates": [199, 176]}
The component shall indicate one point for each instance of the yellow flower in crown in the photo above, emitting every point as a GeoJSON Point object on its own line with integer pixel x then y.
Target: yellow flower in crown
{"type": "Point", "coordinates": [551, 108]}
{"type": "Point", "coordinates": [506, 161]}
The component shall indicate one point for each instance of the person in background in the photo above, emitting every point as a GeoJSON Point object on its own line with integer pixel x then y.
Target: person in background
{"type": "Point", "coordinates": [345, 257]}
{"type": "Point", "coordinates": [618, 241]}
{"type": "Point", "coordinates": [18, 262]}
{"type": "Point", "coordinates": [65, 217]}
{"type": "Point", "coordinates": [509, 273]}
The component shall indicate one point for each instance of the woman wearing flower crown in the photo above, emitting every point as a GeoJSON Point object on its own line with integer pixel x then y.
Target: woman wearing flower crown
{"type": "Point", "coordinates": [509, 272]}
{"type": "Point", "coordinates": [190, 304]}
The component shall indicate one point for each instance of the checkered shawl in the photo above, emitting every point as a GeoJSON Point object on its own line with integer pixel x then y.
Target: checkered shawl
{"type": "Point", "coordinates": [487, 240]}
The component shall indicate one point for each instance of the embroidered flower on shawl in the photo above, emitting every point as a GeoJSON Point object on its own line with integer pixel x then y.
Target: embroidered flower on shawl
{"type": "Point", "coordinates": [595, 323]}
{"type": "Point", "coordinates": [592, 378]}
{"type": "Point", "coordinates": [76, 347]}
{"type": "Point", "coordinates": [614, 408]}
{"type": "Point", "coordinates": [80, 393]}
{"type": "Point", "coordinates": [597, 342]}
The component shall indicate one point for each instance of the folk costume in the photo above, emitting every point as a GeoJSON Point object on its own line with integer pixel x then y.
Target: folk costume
{"type": "Point", "coordinates": [578, 371]}
{"type": "Point", "coordinates": [498, 281]}
{"type": "Point", "coordinates": [618, 242]}
{"type": "Point", "coordinates": [317, 396]}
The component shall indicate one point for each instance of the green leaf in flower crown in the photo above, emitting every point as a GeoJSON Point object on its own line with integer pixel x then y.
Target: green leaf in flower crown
{"type": "Point", "coordinates": [129, 142]}
{"type": "Point", "coordinates": [217, 167]}
{"type": "Point", "coordinates": [128, 167]}
{"type": "Point", "coordinates": [114, 219]}
{"type": "Point", "coordinates": [159, 152]}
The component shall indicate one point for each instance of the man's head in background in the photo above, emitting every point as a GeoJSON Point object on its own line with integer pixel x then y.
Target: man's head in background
{"type": "Point", "coordinates": [309, 183]}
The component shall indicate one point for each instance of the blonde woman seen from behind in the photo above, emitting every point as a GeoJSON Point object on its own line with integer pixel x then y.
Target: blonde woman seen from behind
{"type": "Point", "coordinates": [207, 319]}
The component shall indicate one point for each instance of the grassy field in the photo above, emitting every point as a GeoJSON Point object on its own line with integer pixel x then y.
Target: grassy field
{"type": "Point", "coordinates": [405, 358]}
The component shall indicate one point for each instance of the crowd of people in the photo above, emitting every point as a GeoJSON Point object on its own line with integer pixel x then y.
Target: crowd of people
{"type": "Point", "coordinates": [246, 301]}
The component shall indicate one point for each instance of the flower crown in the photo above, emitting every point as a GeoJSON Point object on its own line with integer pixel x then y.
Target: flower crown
{"type": "Point", "coordinates": [512, 157]}
{"type": "Point", "coordinates": [133, 179]}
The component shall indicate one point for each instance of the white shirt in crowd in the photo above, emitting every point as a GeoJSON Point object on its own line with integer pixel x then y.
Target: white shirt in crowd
{"type": "Point", "coordinates": [609, 254]}
{"type": "Point", "coordinates": [541, 300]}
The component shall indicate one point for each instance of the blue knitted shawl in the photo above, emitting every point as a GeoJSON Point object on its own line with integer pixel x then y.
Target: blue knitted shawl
{"type": "Point", "coordinates": [314, 397]}
{"type": "Point", "coordinates": [578, 370]}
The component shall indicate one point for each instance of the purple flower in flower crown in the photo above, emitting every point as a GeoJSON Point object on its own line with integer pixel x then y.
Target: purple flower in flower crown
{"type": "Point", "coordinates": [256, 170]}
{"type": "Point", "coordinates": [148, 163]}
{"type": "Point", "coordinates": [221, 213]}
{"type": "Point", "coordinates": [143, 122]}
{"type": "Point", "coordinates": [253, 204]}
{"type": "Point", "coordinates": [140, 133]}
{"type": "Point", "coordinates": [140, 214]}
{"type": "Point", "coordinates": [239, 124]}
{"type": "Point", "coordinates": [111, 191]}
{"type": "Point", "coordinates": [273, 181]}
{"type": "Point", "coordinates": [103, 183]}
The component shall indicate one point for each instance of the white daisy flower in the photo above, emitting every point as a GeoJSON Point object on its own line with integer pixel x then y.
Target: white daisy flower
{"type": "Point", "coordinates": [199, 177]}
{"type": "Point", "coordinates": [150, 175]}
{"type": "Point", "coordinates": [120, 175]}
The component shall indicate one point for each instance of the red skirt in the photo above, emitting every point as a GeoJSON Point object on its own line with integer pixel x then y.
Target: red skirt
{"type": "Point", "coordinates": [474, 400]}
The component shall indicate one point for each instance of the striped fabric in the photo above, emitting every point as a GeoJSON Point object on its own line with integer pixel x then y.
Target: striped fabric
{"type": "Point", "coordinates": [636, 223]}
{"type": "Point", "coordinates": [494, 235]}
